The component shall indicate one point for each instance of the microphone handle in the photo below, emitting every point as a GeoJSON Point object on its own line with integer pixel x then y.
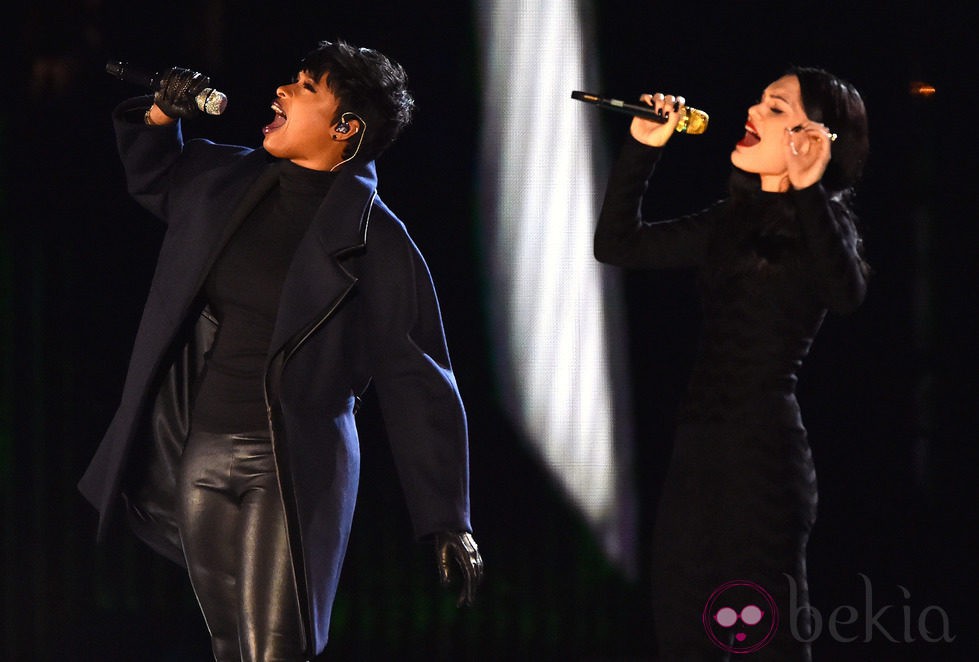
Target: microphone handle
{"type": "Point", "coordinates": [634, 109]}
{"type": "Point", "coordinates": [124, 72]}
{"type": "Point", "coordinates": [693, 121]}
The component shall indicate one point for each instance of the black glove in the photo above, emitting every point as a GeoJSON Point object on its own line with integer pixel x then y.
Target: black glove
{"type": "Point", "coordinates": [178, 91]}
{"type": "Point", "coordinates": [462, 549]}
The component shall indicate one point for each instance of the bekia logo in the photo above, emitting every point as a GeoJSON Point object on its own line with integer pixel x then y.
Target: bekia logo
{"type": "Point", "coordinates": [740, 617]}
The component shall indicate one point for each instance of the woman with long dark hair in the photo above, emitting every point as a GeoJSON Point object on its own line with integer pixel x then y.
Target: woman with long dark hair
{"type": "Point", "coordinates": [739, 499]}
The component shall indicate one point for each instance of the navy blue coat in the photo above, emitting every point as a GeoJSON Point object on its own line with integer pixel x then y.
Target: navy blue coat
{"type": "Point", "coordinates": [358, 304]}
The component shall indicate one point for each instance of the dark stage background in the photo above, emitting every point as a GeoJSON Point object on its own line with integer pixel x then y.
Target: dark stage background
{"type": "Point", "coordinates": [888, 392]}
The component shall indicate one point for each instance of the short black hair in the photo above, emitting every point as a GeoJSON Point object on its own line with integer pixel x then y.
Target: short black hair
{"type": "Point", "coordinates": [368, 84]}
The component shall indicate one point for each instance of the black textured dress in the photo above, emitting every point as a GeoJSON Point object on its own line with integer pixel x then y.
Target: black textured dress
{"type": "Point", "coordinates": [739, 498]}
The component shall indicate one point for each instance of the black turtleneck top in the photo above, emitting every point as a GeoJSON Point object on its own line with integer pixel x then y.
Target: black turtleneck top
{"type": "Point", "coordinates": [243, 289]}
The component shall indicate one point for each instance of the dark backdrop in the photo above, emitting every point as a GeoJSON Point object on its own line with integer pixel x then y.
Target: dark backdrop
{"type": "Point", "coordinates": [887, 393]}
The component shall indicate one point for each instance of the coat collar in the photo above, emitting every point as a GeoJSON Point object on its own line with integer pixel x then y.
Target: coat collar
{"type": "Point", "coordinates": [341, 221]}
{"type": "Point", "coordinates": [317, 281]}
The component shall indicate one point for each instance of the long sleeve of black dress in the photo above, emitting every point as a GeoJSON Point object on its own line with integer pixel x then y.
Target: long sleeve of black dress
{"type": "Point", "coordinates": [833, 245]}
{"type": "Point", "coordinates": [623, 239]}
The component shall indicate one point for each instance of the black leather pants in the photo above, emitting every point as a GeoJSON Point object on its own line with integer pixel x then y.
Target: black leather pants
{"type": "Point", "coordinates": [234, 539]}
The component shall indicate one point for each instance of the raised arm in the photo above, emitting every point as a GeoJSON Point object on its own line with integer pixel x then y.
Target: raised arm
{"type": "Point", "coordinates": [828, 229]}
{"type": "Point", "coordinates": [831, 239]}
{"type": "Point", "coordinates": [150, 140]}
{"type": "Point", "coordinates": [623, 239]}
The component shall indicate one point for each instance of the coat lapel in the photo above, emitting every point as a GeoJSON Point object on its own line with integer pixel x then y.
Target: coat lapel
{"type": "Point", "coordinates": [318, 282]}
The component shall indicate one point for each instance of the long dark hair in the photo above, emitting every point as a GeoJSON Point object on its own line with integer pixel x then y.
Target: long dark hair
{"type": "Point", "coordinates": [837, 104]}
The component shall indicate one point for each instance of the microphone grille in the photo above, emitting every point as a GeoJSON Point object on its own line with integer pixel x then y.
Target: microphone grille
{"type": "Point", "coordinates": [211, 101]}
{"type": "Point", "coordinates": [694, 121]}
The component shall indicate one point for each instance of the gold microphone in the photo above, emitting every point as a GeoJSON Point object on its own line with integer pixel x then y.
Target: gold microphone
{"type": "Point", "coordinates": [693, 121]}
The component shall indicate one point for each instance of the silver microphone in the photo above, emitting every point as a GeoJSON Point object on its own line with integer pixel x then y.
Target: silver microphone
{"type": "Point", "coordinates": [209, 100]}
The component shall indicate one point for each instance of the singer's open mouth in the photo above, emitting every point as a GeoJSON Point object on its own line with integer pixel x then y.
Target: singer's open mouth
{"type": "Point", "coordinates": [277, 121]}
{"type": "Point", "coordinates": [751, 137]}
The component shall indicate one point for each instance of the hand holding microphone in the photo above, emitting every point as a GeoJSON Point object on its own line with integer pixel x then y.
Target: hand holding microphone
{"type": "Point", "coordinates": [178, 92]}
{"type": "Point", "coordinates": [179, 89]}
{"type": "Point", "coordinates": [656, 118]}
{"type": "Point", "coordinates": [656, 131]}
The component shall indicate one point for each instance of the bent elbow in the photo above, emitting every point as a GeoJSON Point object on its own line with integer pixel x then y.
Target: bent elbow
{"type": "Point", "coordinates": [606, 251]}
{"type": "Point", "coordinates": [601, 253]}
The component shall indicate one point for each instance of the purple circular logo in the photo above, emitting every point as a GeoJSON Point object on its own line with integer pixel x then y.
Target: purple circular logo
{"type": "Point", "coordinates": [740, 617]}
